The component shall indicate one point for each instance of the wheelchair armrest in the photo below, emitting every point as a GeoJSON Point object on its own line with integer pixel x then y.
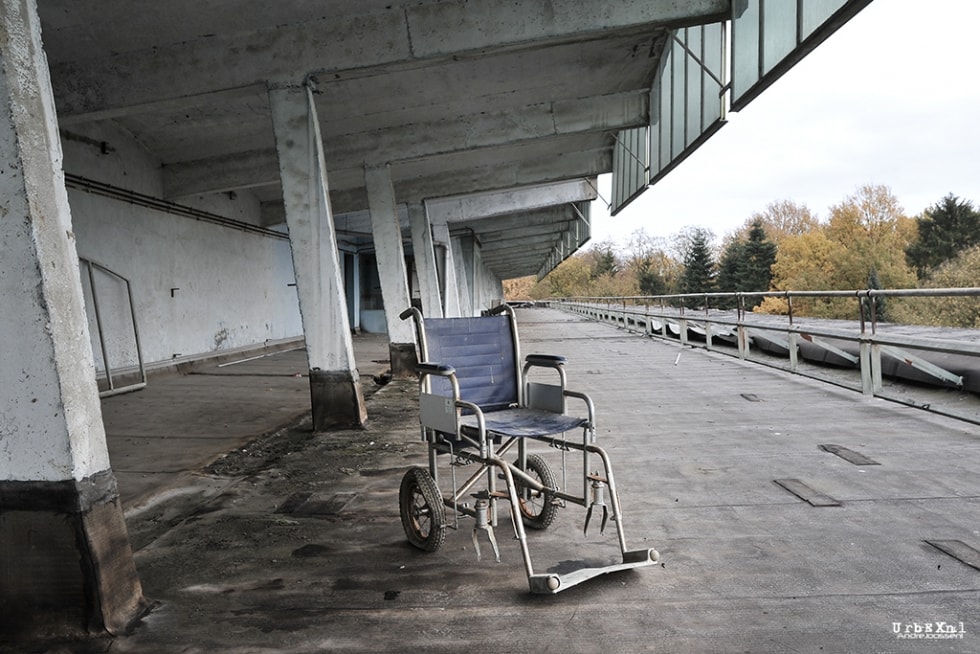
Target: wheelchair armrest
{"type": "Point", "coordinates": [545, 360]}
{"type": "Point", "coordinates": [590, 407]}
{"type": "Point", "coordinates": [440, 369]}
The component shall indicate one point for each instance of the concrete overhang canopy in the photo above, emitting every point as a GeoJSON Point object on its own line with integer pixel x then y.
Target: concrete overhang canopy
{"type": "Point", "coordinates": [529, 242]}
{"type": "Point", "coordinates": [459, 97]}
{"type": "Point", "coordinates": [519, 229]}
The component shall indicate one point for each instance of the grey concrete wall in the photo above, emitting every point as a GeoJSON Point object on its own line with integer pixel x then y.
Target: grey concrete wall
{"type": "Point", "coordinates": [234, 286]}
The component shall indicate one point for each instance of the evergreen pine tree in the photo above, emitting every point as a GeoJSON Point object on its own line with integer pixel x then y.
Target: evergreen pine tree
{"type": "Point", "coordinates": [605, 262]}
{"type": "Point", "coordinates": [758, 255]}
{"type": "Point", "coordinates": [650, 281]}
{"type": "Point", "coordinates": [699, 266]}
{"type": "Point", "coordinates": [730, 269]}
{"type": "Point", "coordinates": [947, 228]}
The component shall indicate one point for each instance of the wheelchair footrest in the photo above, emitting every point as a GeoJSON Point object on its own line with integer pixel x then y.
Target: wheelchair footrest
{"type": "Point", "coordinates": [549, 584]}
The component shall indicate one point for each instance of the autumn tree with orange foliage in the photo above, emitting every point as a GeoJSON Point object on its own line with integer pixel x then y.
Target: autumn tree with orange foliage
{"type": "Point", "coordinates": [866, 232]}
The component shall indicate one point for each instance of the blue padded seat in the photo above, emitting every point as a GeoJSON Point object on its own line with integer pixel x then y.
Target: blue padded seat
{"type": "Point", "coordinates": [525, 422]}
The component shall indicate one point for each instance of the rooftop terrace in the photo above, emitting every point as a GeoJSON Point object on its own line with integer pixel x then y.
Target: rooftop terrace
{"type": "Point", "coordinates": [791, 516]}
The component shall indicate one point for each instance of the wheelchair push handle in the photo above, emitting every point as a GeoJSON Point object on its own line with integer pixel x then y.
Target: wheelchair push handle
{"type": "Point", "coordinates": [409, 312]}
{"type": "Point", "coordinates": [440, 369]}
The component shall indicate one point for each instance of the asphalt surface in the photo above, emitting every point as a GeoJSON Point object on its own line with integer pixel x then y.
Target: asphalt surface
{"type": "Point", "coordinates": [254, 535]}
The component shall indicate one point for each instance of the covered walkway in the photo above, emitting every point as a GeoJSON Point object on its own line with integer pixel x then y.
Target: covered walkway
{"type": "Point", "coordinates": [293, 543]}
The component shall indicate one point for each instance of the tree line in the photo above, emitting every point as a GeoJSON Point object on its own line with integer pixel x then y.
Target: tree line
{"type": "Point", "coordinates": [866, 241]}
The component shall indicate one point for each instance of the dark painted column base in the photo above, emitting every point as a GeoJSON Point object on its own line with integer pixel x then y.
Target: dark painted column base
{"type": "Point", "coordinates": [337, 400]}
{"type": "Point", "coordinates": [403, 360]}
{"type": "Point", "coordinates": [67, 567]}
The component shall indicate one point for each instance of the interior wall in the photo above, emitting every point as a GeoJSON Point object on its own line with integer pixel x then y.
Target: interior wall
{"type": "Point", "coordinates": [197, 287]}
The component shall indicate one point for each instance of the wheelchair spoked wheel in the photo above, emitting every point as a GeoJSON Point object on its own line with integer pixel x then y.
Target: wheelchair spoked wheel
{"type": "Point", "coordinates": [422, 511]}
{"type": "Point", "coordinates": [538, 509]}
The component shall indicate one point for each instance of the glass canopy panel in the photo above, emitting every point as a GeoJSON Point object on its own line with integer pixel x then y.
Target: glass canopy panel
{"type": "Point", "coordinates": [660, 97]}
{"type": "Point", "coordinates": [678, 100]}
{"type": "Point", "coordinates": [693, 89]}
{"type": "Point", "coordinates": [631, 155]}
{"type": "Point", "coordinates": [713, 57]}
{"type": "Point", "coordinates": [815, 13]}
{"type": "Point", "coordinates": [689, 94]}
{"type": "Point", "coordinates": [686, 107]}
{"type": "Point", "coordinates": [746, 30]}
{"type": "Point", "coordinates": [779, 36]}
{"type": "Point", "coordinates": [771, 36]}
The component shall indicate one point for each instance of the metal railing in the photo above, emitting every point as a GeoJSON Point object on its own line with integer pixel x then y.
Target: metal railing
{"type": "Point", "coordinates": [945, 357]}
{"type": "Point", "coordinates": [112, 388]}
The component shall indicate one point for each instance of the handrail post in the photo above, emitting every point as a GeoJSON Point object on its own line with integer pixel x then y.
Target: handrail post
{"type": "Point", "coordinates": [740, 329]}
{"type": "Point", "coordinates": [707, 322]}
{"type": "Point", "coordinates": [682, 321]}
{"type": "Point", "coordinates": [865, 356]}
{"type": "Point", "coordinates": [792, 340]}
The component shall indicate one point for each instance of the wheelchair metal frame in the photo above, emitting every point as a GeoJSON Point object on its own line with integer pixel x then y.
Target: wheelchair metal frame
{"type": "Point", "coordinates": [527, 481]}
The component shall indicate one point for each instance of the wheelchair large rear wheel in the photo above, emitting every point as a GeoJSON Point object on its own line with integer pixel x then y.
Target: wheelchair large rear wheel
{"type": "Point", "coordinates": [538, 508]}
{"type": "Point", "coordinates": [422, 511]}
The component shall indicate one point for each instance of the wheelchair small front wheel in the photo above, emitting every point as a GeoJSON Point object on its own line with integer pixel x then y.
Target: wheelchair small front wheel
{"type": "Point", "coordinates": [538, 508]}
{"type": "Point", "coordinates": [422, 511]}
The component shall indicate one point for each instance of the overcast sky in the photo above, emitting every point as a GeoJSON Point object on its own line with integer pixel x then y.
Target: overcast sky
{"type": "Point", "coordinates": [891, 98]}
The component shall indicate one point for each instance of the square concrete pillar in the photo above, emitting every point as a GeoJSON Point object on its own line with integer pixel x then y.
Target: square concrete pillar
{"type": "Point", "coordinates": [390, 254]}
{"type": "Point", "coordinates": [425, 261]}
{"type": "Point", "coordinates": [66, 566]}
{"type": "Point", "coordinates": [335, 391]}
{"type": "Point", "coordinates": [451, 297]}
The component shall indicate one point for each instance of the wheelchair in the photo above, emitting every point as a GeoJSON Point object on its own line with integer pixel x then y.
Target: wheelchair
{"type": "Point", "coordinates": [477, 405]}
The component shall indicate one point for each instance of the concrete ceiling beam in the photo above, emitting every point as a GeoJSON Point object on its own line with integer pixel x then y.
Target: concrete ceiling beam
{"type": "Point", "coordinates": [500, 203]}
{"type": "Point", "coordinates": [523, 234]}
{"type": "Point", "coordinates": [258, 167]}
{"type": "Point", "coordinates": [462, 172]}
{"type": "Point", "coordinates": [490, 177]}
{"type": "Point", "coordinates": [488, 129]}
{"type": "Point", "coordinates": [391, 37]}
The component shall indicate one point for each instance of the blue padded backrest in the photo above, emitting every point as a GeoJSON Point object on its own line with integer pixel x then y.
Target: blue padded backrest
{"type": "Point", "coordinates": [482, 352]}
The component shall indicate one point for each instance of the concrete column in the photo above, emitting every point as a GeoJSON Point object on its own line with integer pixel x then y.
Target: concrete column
{"type": "Point", "coordinates": [451, 305]}
{"type": "Point", "coordinates": [425, 261]}
{"type": "Point", "coordinates": [66, 564]}
{"type": "Point", "coordinates": [463, 258]}
{"type": "Point", "coordinates": [335, 390]}
{"type": "Point", "coordinates": [354, 291]}
{"type": "Point", "coordinates": [391, 268]}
